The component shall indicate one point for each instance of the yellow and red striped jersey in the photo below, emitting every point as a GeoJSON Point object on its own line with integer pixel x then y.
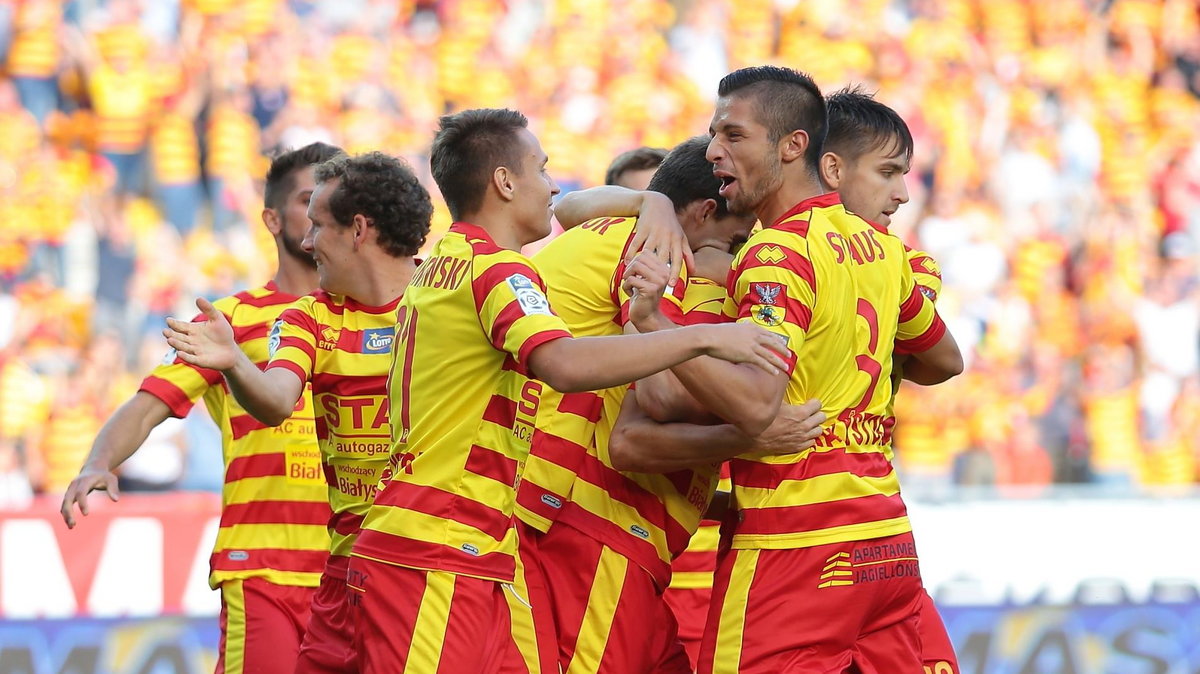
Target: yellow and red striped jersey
{"type": "Point", "coordinates": [647, 518]}
{"type": "Point", "coordinates": [274, 505]}
{"type": "Point", "coordinates": [582, 269]}
{"type": "Point", "coordinates": [122, 102]}
{"type": "Point", "coordinates": [842, 293]}
{"type": "Point", "coordinates": [35, 50]}
{"type": "Point", "coordinates": [175, 150]}
{"type": "Point", "coordinates": [693, 568]}
{"type": "Point", "coordinates": [463, 409]}
{"type": "Point", "coordinates": [344, 349]}
{"type": "Point", "coordinates": [927, 273]}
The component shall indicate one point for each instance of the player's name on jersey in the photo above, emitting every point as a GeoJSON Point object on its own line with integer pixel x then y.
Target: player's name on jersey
{"type": "Point", "coordinates": [441, 272]}
{"type": "Point", "coordinates": [860, 430]}
{"type": "Point", "coordinates": [862, 247]}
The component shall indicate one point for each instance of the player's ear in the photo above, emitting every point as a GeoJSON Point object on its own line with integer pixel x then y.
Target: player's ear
{"type": "Point", "coordinates": [793, 146]}
{"type": "Point", "coordinates": [358, 229]}
{"type": "Point", "coordinates": [270, 218]}
{"type": "Point", "coordinates": [502, 180]}
{"type": "Point", "coordinates": [707, 208]}
{"type": "Point", "coordinates": [831, 167]}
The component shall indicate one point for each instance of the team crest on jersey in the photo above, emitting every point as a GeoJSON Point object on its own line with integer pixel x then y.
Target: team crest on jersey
{"type": "Point", "coordinates": [770, 255]}
{"type": "Point", "coordinates": [529, 296]}
{"type": "Point", "coordinates": [378, 340]}
{"type": "Point", "coordinates": [273, 338]}
{"type": "Point", "coordinates": [928, 292]}
{"type": "Point", "coordinates": [767, 315]}
{"type": "Point", "coordinates": [767, 293]}
{"type": "Point", "coordinates": [329, 338]}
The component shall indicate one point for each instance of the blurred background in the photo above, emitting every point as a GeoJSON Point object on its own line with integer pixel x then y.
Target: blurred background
{"type": "Point", "coordinates": [1056, 179]}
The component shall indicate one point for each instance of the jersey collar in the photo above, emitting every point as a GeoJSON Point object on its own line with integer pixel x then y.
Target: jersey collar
{"type": "Point", "coordinates": [819, 201]}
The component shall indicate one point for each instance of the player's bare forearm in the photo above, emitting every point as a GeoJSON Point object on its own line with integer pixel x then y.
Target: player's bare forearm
{"type": "Point", "coordinates": [641, 444]}
{"type": "Point", "coordinates": [269, 396]}
{"type": "Point", "coordinates": [663, 398]}
{"type": "Point", "coordinates": [935, 365]}
{"type": "Point", "coordinates": [577, 207]}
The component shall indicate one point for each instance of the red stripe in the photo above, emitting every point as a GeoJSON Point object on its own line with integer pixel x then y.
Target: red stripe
{"type": "Point", "coordinates": [497, 273]}
{"type": "Point", "coordinates": [500, 411]}
{"type": "Point", "coordinates": [758, 475]}
{"type": "Point", "coordinates": [425, 555]}
{"type": "Point", "coordinates": [299, 343]}
{"type": "Point", "coordinates": [639, 551]}
{"type": "Point", "coordinates": [695, 560]}
{"type": "Point", "coordinates": [534, 341]}
{"type": "Point", "coordinates": [438, 503]}
{"type": "Point", "coordinates": [171, 395]}
{"type": "Point", "coordinates": [924, 342]}
{"type": "Point", "coordinates": [792, 261]}
{"type": "Point", "coordinates": [491, 464]}
{"type": "Point", "coordinates": [256, 465]}
{"type": "Point", "coordinates": [345, 523]}
{"type": "Point", "coordinates": [911, 306]}
{"type": "Point", "coordinates": [346, 385]}
{"type": "Point", "coordinates": [509, 315]}
{"type": "Point", "coordinates": [245, 333]}
{"type": "Point", "coordinates": [817, 516]}
{"type": "Point", "coordinates": [271, 298]}
{"type": "Point", "coordinates": [276, 512]}
{"type": "Point", "coordinates": [328, 302]}
{"type": "Point", "coordinates": [587, 405]}
{"type": "Point", "coordinates": [244, 424]}
{"type": "Point", "coordinates": [278, 559]}
{"type": "Point", "coordinates": [649, 506]}
{"type": "Point", "coordinates": [290, 367]}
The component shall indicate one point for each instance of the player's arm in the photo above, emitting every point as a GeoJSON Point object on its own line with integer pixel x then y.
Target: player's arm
{"type": "Point", "coordinates": [268, 396]}
{"type": "Point", "coordinates": [936, 364]}
{"type": "Point", "coordinates": [641, 444]}
{"type": "Point", "coordinates": [118, 439]}
{"type": "Point", "coordinates": [657, 230]}
{"type": "Point", "coordinates": [923, 334]}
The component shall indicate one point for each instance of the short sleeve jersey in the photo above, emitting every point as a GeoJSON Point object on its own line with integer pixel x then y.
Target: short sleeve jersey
{"type": "Point", "coordinates": [841, 293]}
{"type": "Point", "coordinates": [583, 269]}
{"type": "Point", "coordinates": [274, 507]}
{"type": "Point", "coordinates": [463, 409]}
{"type": "Point", "coordinates": [344, 349]}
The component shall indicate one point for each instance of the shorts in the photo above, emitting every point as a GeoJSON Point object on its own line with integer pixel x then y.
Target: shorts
{"type": "Point", "coordinates": [609, 616]}
{"type": "Point", "coordinates": [937, 651]}
{"type": "Point", "coordinates": [432, 622]}
{"type": "Point", "coordinates": [818, 609]}
{"type": "Point", "coordinates": [262, 624]}
{"type": "Point", "coordinates": [690, 608]}
{"type": "Point", "coordinates": [328, 644]}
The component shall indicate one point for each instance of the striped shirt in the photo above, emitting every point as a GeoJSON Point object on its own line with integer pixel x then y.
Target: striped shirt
{"type": "Point", "coordinates": [274, 506]}
{"type": "Point", "coordinates": [842, 293]}
{"type": "Point", "coordinates": [344, 349]}
{"type": "Point", "coordinates": [463, 409]}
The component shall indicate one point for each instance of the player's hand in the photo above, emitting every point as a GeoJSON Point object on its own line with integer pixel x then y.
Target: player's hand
{"type": "Point", "coordinates": [747, 343]}
{"type": "Point", "coordinates": [645, 280]}
{"type": "Point", "coordinates": [77, 492]}
{"type": "Point", "coordinates": [795, 429]}
{"type": "Point", "coordinates": [659, 233]}
{"type": "Point", "coordinates": [712, 263]}
{"type": "Point", "coordinates": [207, 343]}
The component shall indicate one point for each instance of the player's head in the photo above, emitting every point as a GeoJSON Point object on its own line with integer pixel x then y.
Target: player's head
{"type": "Point", "coordinates": [868, 151]}
{"type": "Point", "coordinates": [687, 179]}
{"type": "Point", "coordinates": [285, 198]}
{"type": "Point", "coordinates": [769, 121]}
{"type": "Point", "coordinates": [488, 160]}
{"type": "Point", "coordinates": [634, 168]}
{"type": "Point", "coordinates": [361, 204]}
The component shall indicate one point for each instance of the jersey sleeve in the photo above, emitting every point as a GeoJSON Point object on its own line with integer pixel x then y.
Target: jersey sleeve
{"type": "Point", "coordinates": [927, 273]}
{"type": "Point", "coordinates": [292, 344]}
{"type": "Point", "coordinates": [919, 326]}
{"type": "Point", "coordinates": [774, 286]}
{"type": "Point", "coordinates": [180, 384]}
{"type": "Point", "coordinates": [671, 305]}
{"type": "Point", "coordinates": [513, 310]}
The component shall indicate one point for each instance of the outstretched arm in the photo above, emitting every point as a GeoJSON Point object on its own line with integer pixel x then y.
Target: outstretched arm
{"type": "Point", "coordinates": [268, 396]}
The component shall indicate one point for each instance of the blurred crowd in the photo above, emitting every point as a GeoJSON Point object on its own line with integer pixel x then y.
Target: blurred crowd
{"type": "Point", "coordinates": [1056, 179]}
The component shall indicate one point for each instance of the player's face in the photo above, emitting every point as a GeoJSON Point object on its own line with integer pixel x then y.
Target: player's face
{"type": "Point", "coordinates": [293, 217]}
{"type": "Point", "coordinates": [637, 179]}
{"type": "Point", "coordinates": [742, 154]}
{"type": "Point", "coordinates": [535, 189]}
{"type": "Point", "coordinates": [329, 243]}
{"type": "Point", "coordinates": [873, 185]}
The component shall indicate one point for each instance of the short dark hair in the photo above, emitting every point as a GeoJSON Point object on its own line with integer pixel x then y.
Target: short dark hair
{"type": "Point", "coordinates": [468, 148]}
{"type": "Point", "coordinates": [384, 190]}
{"type": "Point", "coordinates": [858, 124]}
{"type": "Point", "coordinates": [281, 177]}
{"type": "Point", "coordinates": [786, 100]}
{"type": "Point", "coordinates": [637, 159]}
{"type": "Point", "coordinates": [686, 176]}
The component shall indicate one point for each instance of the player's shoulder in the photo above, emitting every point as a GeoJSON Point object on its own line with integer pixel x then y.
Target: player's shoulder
{"type": "Point", "coordinates": [922, 262]}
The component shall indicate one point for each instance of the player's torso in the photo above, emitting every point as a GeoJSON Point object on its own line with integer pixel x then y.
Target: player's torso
{"type": "Point", "coordinates": [274, 501]}
{"type": "Point", "coordinates": [349, 383]}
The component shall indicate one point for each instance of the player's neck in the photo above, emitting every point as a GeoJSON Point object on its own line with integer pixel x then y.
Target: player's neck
{"type": "Point", "coordinates": [294, 277]}
{"type": "Point", "coordinates": [382, 280]}
{"type": "Point", "coordinates": [504, 232]}
{"type": "Point", "coordinates": [786, 197]}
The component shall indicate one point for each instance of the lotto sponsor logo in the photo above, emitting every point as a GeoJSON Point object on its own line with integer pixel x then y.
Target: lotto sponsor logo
{"type": "Point", "coordinates": [378, 340]}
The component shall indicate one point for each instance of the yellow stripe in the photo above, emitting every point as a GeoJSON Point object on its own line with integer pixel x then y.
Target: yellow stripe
{"type": "Point", "coordinates": [598, 616]}
{"type": "Point", "coordinates": [256, 489]}
{"type": "Point", "coordinates": [823, 489]}
{"type": "Point", "coordinates": [732, 625]}
{"type": "Point", "coordinates": [288, 578]}
{"type": "Point", "coordinates": [429, 631]}
{"type": "Point", "coordinates": [806, 539]}
{"type": "Point", "coordinates": [235, 626]}
{"type": "Point", "coordinates": [691, 580]}
{"type": "Point", "coordinates": [275, 536]}
{"type": "Point", "coordinates": [520, 611]}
